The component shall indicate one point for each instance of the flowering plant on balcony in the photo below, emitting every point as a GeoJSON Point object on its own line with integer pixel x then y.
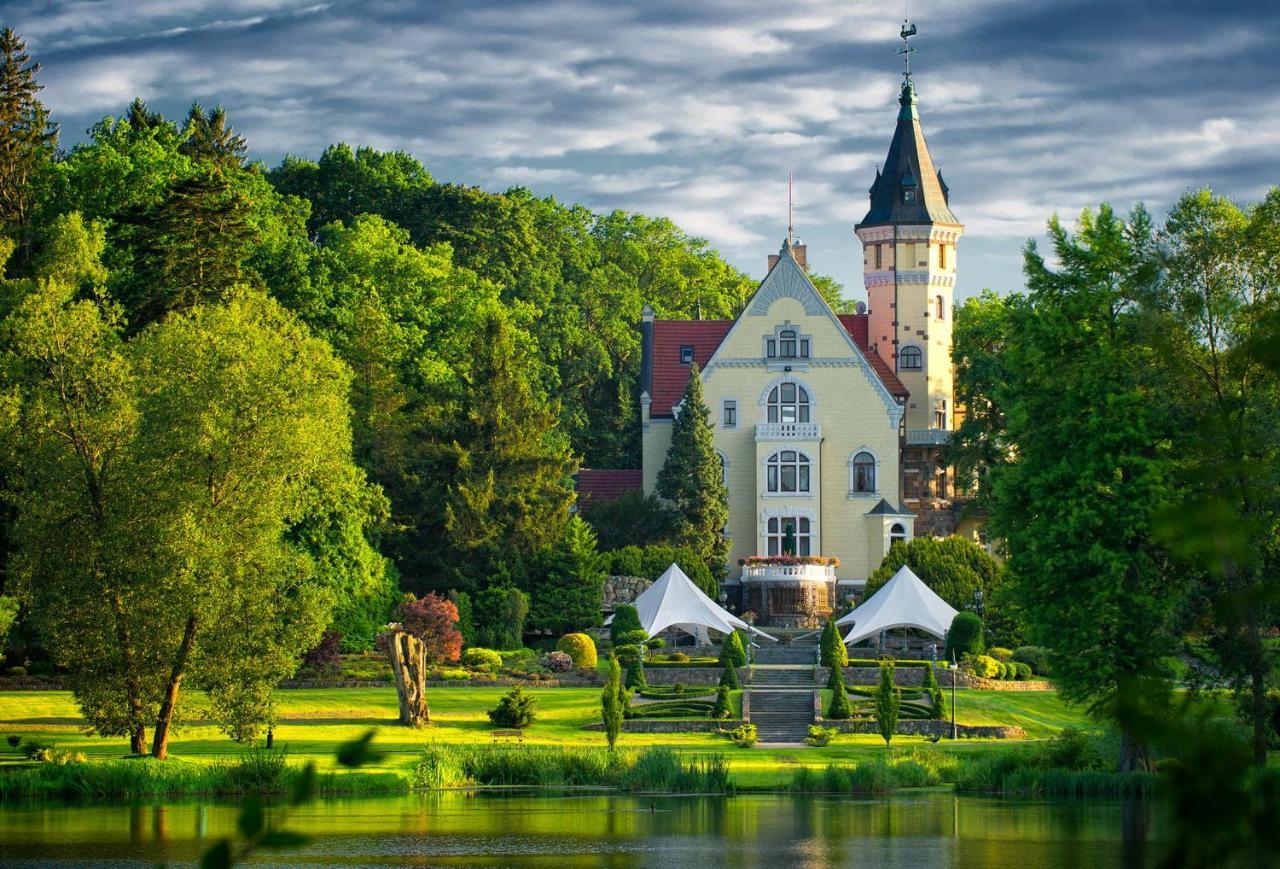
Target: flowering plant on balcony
{"type": "Point", "coordinates": [788, 560]}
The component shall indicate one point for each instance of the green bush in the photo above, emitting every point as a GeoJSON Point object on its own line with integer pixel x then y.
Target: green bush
{"type": "Point", "coordinates": [675, 709]}
{"type": "Point", "coordinates": [724, 705]}
{"type": "Point", "coordinates": [1022, 672]}
{"type": "Point", "coordinates": [632, 662]}
{"type": "Point", "coordinates": [982, 666]}
{"type": "Point", "coordinates": [651, 561]}
{"type": "Point", "coordinates": [820, 736]}
{"type": "Point", "coordinates": [743, 736]}
{"type": "Point", "coordinates": [1035, 657]}
{"type": "Point", "coordinates": [499, 613]}
{"type": "Point", "coordinates": [732, 652]}
{"type": "Point", "coordinates": [18, 671]}
{"type": "Point", "coordinates": [964, 636]}
{"type": "Point", "coordinates": [515, 709]}
{"type": "Point", "coordinates": [678, 657]}
{"type": "Point", "coordinates": [1000, 654]}
{"type": "Point", "coordinates": [839, 708]}
{"type": "Point", "coordinates": [581, 648]}
{"type": "Point", "coordinates": [729, 679]}
{"type": "Point", "coordinates": [477, 658]}
{"type": "Point", "coordinates": [633, 638]}
{"type": "Point", "coordinates": [933, 694]}
{"type": "Point", "coordinates": [625, 619]}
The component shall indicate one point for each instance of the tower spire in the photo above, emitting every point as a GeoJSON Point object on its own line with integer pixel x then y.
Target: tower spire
{"type": "Point", "coordinates": [790, 209]}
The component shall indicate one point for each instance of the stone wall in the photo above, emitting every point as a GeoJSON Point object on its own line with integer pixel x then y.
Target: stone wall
{"type": "Point", "coordinates": [672, 725]}
{"type": "Point", "coordinates": [905, 677]}
{"type": "Point", "coordinates": [689, 675]}
{"type": "Point", "coordinates": [933, 728]}
{"type": "Point", "coordinates": [623, 589]}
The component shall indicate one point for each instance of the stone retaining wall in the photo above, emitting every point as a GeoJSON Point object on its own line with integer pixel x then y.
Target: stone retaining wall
{"type": "Point", "coordinates": [674, 725]}
{"type": "Point", "coordinates": [904, 677]}
{"type": "Point", "coordinates": [1008, 685]}
{"type": "Point", "coordinates": [932, 728]}
{"type": "Point", "coordinates": [688, 675]}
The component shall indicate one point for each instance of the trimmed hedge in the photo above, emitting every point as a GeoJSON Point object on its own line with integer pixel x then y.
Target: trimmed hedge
{"type": "Point", "coordinates": [674, 709]}
{"type": "Point", "coordinates": [581, 648]}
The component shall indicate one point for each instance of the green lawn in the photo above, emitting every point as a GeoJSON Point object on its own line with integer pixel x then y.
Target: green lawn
{"type": "Point", "coordinates": [314, 721]}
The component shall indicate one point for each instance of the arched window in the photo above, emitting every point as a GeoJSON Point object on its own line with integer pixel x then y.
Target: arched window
{"type": "Point", "coordinates": [863, 477]}
{"type": "Point", "coordinates": [800, 528]}
{"type": "Point", "coordinates": [897, 533]}
{"type": "Point", "coordinates": [787, 471]}
{"type": "Point", "coordinates": [910, 359]}
{"type": "Point", "coordinates": [942, 308]}
{"type": "Point", "coordinates": [788, 402]}
{"type": "Point", "coordinates": [787, 344]}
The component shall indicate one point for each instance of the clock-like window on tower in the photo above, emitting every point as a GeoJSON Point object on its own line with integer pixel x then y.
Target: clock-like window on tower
{"type": "Point", "coordinates": [787, 471]}
{"type": "Point", "coordinates": [789, 403]}
{"type": "Point", "coordinates": [910, 358]}
{"type": "Point", "coordinates": [797, 528]}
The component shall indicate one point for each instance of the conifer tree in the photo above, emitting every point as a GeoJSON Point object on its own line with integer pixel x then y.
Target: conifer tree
{"type": "Point", "coordinates": [27, 139]}
{"type": "Point", "coordinates": [933, 691]}
{"type": "Point", "coordinates": [211, 138]}
{"type": "Point", "coordinates": [571, 596]}
{"type": "Point", "coordinates": [732, 652]}
{"type": "Point", "coordinates": [888, 702]}
{"type": "Point", "coordinates": [692, 479]}
{"type": "Point", "coordinates": [611, 702]}
{"type": "Point", "coordinates": [512, 490]}
{"type": "Point", "coordinates": [839, 708]}
{"type": "Point", "coordinates": [729, 678]}
{"type": "Point", "coordinates": [140, 117]}
{"type": "Point", "coordinates": [834, 654]}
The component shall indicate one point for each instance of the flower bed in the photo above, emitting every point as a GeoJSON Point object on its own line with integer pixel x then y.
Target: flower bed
{"type": "Point", "coordinates": [788, 560]}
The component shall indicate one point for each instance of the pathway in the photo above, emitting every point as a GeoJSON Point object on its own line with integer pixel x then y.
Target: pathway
{"type": "Point", "coordinates": [783, 679]}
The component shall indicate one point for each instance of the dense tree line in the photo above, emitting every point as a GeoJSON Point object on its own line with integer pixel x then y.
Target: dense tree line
{"type": "Point", "coordinates": [242, 405]}
{"type": "Point", "coordinates": [1122, 432]}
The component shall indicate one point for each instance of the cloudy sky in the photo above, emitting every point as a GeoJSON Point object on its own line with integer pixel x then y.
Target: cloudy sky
{"type": "Point", "coordinates": [698, 109]}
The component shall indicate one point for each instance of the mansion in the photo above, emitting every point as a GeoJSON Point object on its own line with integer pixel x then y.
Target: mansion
{"type": "Point", "coordinates": [829, 426]}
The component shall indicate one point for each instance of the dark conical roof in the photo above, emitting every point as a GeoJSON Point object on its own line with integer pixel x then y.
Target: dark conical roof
{"type": "Point", "coordinates": [908, 190]}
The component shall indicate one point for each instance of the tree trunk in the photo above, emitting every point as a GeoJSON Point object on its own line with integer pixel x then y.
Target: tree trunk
{"type": "Point", "coordinates": [1134, 756]}
{"type": "Point", "coordinates": [408, 663]}
{"type": "Point", "coordinates": [138, 741]}
{"type": "Point", "coordinates": [160, 742]}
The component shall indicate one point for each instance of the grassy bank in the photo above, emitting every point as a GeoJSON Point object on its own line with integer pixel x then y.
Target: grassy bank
{"type": "Point", "coordinates": [313, 722]}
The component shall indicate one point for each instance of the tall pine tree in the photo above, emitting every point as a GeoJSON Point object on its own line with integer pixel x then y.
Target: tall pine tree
{"type": "Point", "coordinates": [692, 479]}
{"type": "Point", "coordinates": [571, 596]}
{"type": "Point", "coordinates": [512, 491]}
{"type": "Point", "coordinates": [27, 139]}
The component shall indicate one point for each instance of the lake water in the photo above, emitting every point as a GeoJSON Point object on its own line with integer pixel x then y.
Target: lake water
{"type": "Point", "coordinates": [927, 829]}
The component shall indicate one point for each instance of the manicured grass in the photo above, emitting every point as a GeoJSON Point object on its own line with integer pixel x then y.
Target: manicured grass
{"type": "Point", "coordinates": [312, 722]}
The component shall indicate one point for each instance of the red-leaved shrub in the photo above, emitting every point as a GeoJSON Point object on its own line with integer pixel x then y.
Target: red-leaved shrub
{"type": "Point", "coordinates": [434, 620]}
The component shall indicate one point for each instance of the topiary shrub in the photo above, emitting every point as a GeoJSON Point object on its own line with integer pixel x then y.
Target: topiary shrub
{"type": "Point", "coordinates": [964, 637]}
{"type": "Point", "coordinates": [678, 657]}
{"type": "Point", "coordinates": [632, 638]}
{"type": "Point", "coordinates": [515, 709]}
{"type": "Point", "coordinates": [724, 706]}
{"type": "Point", "coordinates": [729, 678]}
{"type": "Point", "coordinates": [820, 736]}
{"type": "Point", "coordinates": [744, 735]}
{"type": "Point", "coordinates": [933, 693]}
{"type": "Point", "coordinates": [556, 662]}
{"type": "Point", "coordinates": [1000, 654]}
{"type": "Point", "coordinates": [632, 660]}
{"type": "Point", "coordinates": [1022, 672]}
{"type": "Point", "coordinates": [1035, 657]}
{"type": "Point", "coordinates": [839, 709]}
{"type": "Point", "coordinates": [732, 653]}
{"type": "Point", "coordinates": [579, 647]}
{"type": "Point", "coordinates": [482, 659]}
{"type": "Point", "coordinates": [625, 619]}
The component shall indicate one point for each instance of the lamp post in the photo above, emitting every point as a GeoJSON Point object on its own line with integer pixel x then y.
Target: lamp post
{"type": "Point", "coordinates": [953, 694]}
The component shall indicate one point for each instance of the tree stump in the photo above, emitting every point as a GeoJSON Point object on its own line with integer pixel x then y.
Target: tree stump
{"type": "Point", "coordinates": [409, 664]}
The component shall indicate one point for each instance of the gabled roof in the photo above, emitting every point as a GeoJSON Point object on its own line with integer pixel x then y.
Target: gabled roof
{"type": "Point", "coordinates": [598, 484]}
{"type": "Point", "coordinates": [884, 508]}
{"type": "Point", "coordinates": [903, 602]}
{"type": "Point", "coordinates": [670, 376]}
{"type": "Point", "coordinates": [908, 166]}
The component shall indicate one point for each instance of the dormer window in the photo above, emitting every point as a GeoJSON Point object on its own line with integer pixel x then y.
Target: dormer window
{"type": "Point", "coordinates": [909, 196]}
{"type": "Point", "coordinates": [686, 354]}
{"type": "Point", "coordinates": [787, 344]}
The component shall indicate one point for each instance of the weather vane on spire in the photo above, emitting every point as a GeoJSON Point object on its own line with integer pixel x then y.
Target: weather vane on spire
{"type": "Point", "coordinates": [790, 209]}
{"type": "Point", "coordinates": [908, 31]}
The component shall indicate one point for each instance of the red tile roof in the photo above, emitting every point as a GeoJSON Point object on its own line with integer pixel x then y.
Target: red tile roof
{"type": "Point", "coordinates": [670, 376]}
{"type": "Point", "coordinates": [606, 485]}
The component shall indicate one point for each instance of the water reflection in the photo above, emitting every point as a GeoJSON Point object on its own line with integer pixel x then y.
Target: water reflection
{"type": "Point", "coordinates": [929, 829]}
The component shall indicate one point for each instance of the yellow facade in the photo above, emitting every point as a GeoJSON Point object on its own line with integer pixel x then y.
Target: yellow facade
{"type": "Point", "coordinates": [850, 411]}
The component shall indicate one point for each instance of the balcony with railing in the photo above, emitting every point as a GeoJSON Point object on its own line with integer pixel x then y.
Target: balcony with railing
{"type": "Point", "coordinates": [788, 573]}
{"type": "Point", "coordinates": [788, 431]}
{"type": "Point", "coordinates": [927, 436]}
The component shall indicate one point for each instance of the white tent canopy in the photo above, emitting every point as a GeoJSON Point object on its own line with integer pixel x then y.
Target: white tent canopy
{"type": "Point", "coordinates": [673, 601]}
{"type": "Point", "coordinates": [903, 602]}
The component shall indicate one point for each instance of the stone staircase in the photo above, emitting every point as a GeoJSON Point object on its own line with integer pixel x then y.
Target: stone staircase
{"type": "Point", "coordinates": [781, 691]}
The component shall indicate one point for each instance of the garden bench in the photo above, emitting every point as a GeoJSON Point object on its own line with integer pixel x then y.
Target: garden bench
{"type": "Point", "coordinates": [517, 735]}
